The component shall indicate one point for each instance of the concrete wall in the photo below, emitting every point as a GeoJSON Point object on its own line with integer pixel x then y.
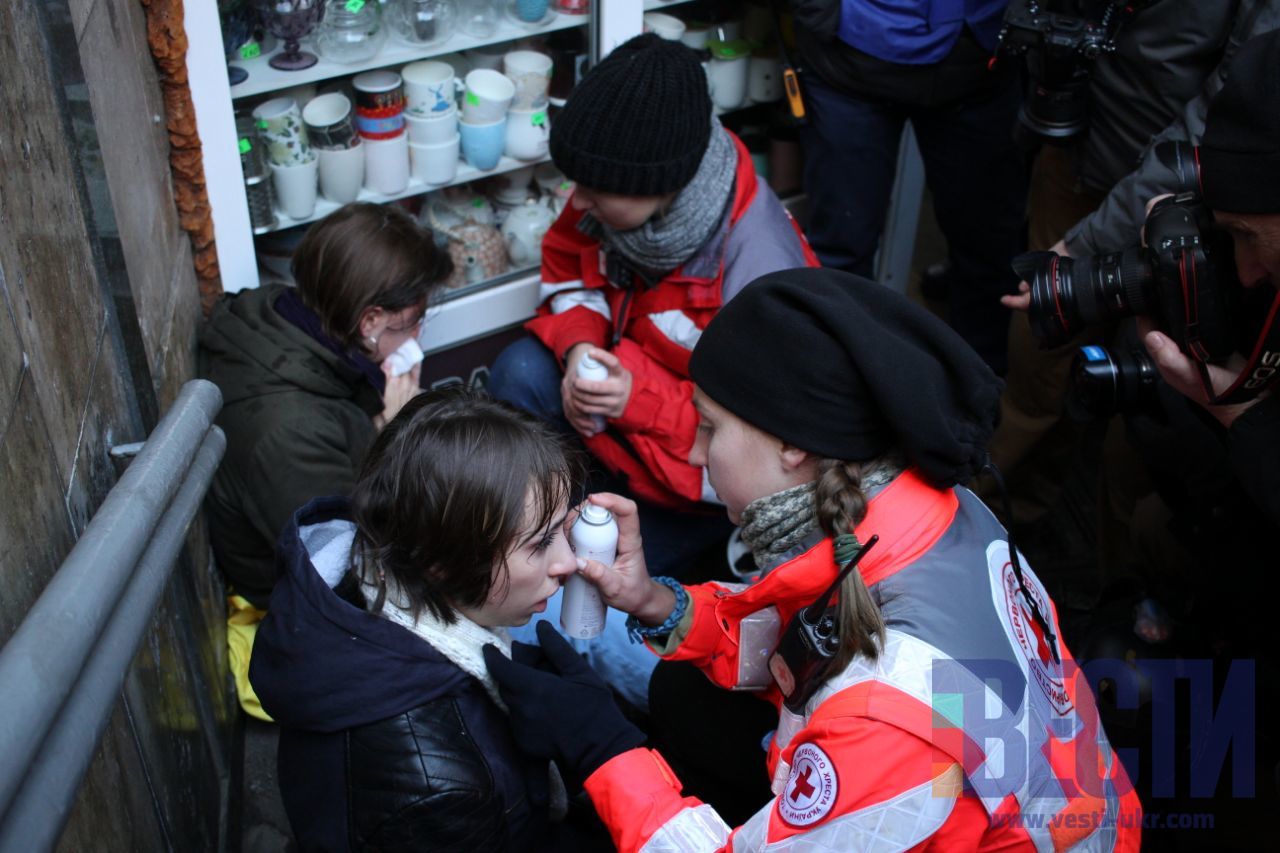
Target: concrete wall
{"type": "Point", "coordinates": [98, 310]}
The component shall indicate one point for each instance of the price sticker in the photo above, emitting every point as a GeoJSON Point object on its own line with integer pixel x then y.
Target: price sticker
{"type": "Point", "coordinates": [252, 50]}
{"type": "Point", "coordinates": [354, 6]}
{"type": "Point", "coordinates": [245, 146]}
{"type": "Point", "coordinates": [473, 99]}
{"type": "Point", "coordinates": [538, 119]}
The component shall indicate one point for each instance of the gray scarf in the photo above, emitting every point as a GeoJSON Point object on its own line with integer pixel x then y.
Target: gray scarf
{"type": "Point", "coordinates": [776, 524]}
{"type": "Point", "coordinates": [672, 237]}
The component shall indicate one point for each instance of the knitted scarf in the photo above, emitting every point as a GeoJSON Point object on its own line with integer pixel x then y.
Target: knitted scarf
{"type": "Point", "coordinates": [673, 236]}
{"type": "Point", "coordinates": [775, 524]}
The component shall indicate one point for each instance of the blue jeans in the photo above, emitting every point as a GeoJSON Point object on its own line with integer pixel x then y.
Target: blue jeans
{"type": "Point", "coordinates": [527, 374]}
{"type": "Point", "coordinates": [975, 172]}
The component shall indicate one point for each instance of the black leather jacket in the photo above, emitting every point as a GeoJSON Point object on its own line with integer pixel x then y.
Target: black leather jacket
{"type": "Point", "coordinates": [385, 744]}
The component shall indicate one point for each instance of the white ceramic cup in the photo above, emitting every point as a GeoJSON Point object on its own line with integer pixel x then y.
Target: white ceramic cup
{"type": "Point", "coordinates": [668, 27]}
{"type": "Point", "coordinates": [764, 79]}
{"type": "Point", "coordinates": [341, 173]}
{"type": "Point", "coordinates": [329, 121]}
{"type": "Point", "coordinates": [386, 164]}
{"type": "Point", "coordinates": [530, 71]}
{"type": "Point", "coordinates": [487, 95]}
{"type": "Point", "coordinates": [280, 124]}
{"type": "Point", "coordinates": [435, 163]}
{"type": "Point", "coordinates": [727, 79]}
{"type": "Point", "coordinates": [433, 127]}
{"type": "Point", "coordinates": [528, 134]}
{"type": "Point", "coordinates": [510, 187]}
{"type": "Point", "coordinates": [295, 186]}
{"type": "Point", "coordinates": [430, 87]}
{"type": "Point", "coordinates": [696, 37]}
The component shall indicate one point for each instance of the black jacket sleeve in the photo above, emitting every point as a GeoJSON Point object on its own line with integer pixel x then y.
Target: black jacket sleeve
{"type": "Point", "coordinates": [1254, 445]}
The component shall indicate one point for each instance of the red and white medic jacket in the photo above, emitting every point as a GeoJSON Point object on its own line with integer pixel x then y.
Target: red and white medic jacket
{"type": "Point", "coordinates": [963, 735]}
{"type": "Point", "coordinates": [653, 330]}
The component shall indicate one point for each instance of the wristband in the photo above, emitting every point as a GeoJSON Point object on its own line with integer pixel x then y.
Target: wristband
{"type": "Point", "coordinates": [639, 632]}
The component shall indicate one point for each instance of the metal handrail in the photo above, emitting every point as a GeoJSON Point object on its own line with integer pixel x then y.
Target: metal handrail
{"type": "Point", "coordinates": [64, 666]}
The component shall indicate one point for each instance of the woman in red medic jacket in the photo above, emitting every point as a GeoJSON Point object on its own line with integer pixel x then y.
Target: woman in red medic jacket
{"type": "Point", "coordinates": [947, 713]}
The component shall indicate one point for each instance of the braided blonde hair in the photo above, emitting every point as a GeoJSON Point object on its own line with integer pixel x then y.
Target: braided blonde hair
{"type": "Point", "coordinates": [842, 504]}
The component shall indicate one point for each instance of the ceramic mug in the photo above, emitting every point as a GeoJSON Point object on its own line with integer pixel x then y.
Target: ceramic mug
{"type": "Point", "coordinates": [329, 122]}
{"type": "Point", "coordinates": [295, 186]}
{"type": "Point", "coordinates": [528, 134]}
{"type": "Point", "coordinates": [379, 104]}
{"type": "Point", "coordinates": [482, 144]}
{"type": "Point", "coordinates": [531, 11]}
{"type": "Point", "coordinates": [341, 172]}
{"type": "Point", "coordinates": [530, 71]}
{"type": "Point", "coordinates": [386, 164]}
{"type": "Point", "coordinates": [668, 27]}
{"type": "Point", "coordinates": [487, 95]}
{"type": "Point", "coordinates": [430, 87]}
{"type": "Point", "coordinates": [432, 127]}
{"type": "Point", "coordinates": [280, 125]}
{"type": "Point", "coordinates": [764, 79]}
{"type": "Point", "coordinates": [435, 163]}
{"type": "Point", "coordinates": [727, 81]}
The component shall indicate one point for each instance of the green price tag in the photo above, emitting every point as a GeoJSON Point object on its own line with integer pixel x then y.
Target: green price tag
{"type": "Point", "coordinates": [262, 124]}
{"type": "Point", "coordinates": [477, 202]}
{"type": "Point", "coordinates": [354, 6]}
{"type": "Point", "coordinates": [538, 119]}
{"type": "Point", "coordinates": [473, 99]}
{"type": "Point", "coordinates": [250, 50]}
{"type": "Point", "coordinates": [245, 145]}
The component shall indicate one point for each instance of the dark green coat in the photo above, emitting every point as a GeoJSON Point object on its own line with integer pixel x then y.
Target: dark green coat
{"type": "Point", "coordinates": [298, 420]}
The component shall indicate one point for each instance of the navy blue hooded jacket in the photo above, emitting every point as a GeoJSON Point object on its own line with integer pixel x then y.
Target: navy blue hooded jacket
{"type": "Point", "coordinates": [384, 744]}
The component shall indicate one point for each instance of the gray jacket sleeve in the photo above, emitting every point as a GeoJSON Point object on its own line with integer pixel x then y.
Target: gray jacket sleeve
{"type": "Point", "coordinates": [1117, 222]}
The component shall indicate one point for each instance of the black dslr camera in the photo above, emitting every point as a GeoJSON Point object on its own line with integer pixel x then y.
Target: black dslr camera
{"type": "Point", "coordinates": [1057, 48]}
{"type": "Point", "coordinates": [1184, 277]}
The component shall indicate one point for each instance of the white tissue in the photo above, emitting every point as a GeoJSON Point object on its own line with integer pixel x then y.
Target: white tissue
{"type": "Point", "coordinates": [402, 360]}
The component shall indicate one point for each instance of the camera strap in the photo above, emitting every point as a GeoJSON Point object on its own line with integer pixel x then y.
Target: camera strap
{"type": "Point", "coordinates": [1260, 371]}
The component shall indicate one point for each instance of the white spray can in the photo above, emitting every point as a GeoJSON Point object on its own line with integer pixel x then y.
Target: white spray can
{"type": "Point", "coordinates": [589, 368]}
{"type": "Point", "coordinates": [595, 537]}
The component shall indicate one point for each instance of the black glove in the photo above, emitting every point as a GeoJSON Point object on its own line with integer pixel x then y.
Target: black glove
{"type": "Point", "coordinates": [558, 707]}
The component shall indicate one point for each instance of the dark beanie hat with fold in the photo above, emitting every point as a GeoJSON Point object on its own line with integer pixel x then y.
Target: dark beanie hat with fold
{"type": "Point", "coordinates": [1240, 150]}
{"type": "Point", "coordinates": [638, 123]}
{"type": "Point", "coordinates": [846, 368]}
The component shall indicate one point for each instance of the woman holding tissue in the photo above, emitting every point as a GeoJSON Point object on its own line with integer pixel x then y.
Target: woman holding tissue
{"type": "Point", "coordinates": [926, 699]}
{"type": "Point", "coordinates": [393, 734]}
{"type": "Point", "coordinates": [666, 224]}
{"type": "Point", "coordinates": [306, 376]}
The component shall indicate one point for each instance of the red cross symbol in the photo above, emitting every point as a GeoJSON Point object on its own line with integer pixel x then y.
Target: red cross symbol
{"type": "Point", "coordinates": [803, 787]}
{"type": "Point", "coordinates": [1042, 645]}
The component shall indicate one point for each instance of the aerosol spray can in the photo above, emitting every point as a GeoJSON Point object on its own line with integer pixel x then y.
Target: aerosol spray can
{"type": "Point", "coordinates": [595, 537]}
{"type": "Point", "coordinates": [589, 368]}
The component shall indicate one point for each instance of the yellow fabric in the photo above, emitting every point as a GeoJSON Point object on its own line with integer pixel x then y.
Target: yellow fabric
{"type": "Point", "coordinates": [242, 627]}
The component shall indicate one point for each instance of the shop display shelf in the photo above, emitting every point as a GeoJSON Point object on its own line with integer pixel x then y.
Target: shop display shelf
{"type": "Point", "coordinates": [466, 174]}
{"type": "Point", "coordinates": [264, 79]}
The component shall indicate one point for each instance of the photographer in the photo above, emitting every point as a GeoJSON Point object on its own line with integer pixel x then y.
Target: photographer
{"type": "Point", "coordinates": [1169, 59]}
{"type": "Point", "coordinates": [1239, 158]}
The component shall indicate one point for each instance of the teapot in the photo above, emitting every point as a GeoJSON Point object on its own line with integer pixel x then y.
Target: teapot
{"type": "Point", "coordinates": [524, 229]}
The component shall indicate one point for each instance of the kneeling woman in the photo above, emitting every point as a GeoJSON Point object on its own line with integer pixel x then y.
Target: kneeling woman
{"type": "Point", "coordinates": [935, 706]}
{"type": "Point", "coordinates": [393, 734]}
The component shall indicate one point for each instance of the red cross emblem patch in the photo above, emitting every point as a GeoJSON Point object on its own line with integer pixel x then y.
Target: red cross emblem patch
{"type": "Point", "coordinates": [811, 789]}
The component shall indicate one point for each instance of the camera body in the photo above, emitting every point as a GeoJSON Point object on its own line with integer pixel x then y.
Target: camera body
{"type": "Point", "coordinates": [1184, 277]}
{"type": "Point", "coordinates": [1057, 49]}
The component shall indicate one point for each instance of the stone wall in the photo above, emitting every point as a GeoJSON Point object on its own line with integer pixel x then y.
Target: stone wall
{"type": "Point", "coordinates": [99, 304]}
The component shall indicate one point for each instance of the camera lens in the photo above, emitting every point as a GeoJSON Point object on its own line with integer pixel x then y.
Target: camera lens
{"type": "Point", "coordinates": [1068, 294]}
{"type": "Point", "coordinates": [1104, 384]}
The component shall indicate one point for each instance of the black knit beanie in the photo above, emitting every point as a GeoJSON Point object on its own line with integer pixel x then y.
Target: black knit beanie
{"type": "Point", "coordinates": [1240, 150]}
{"type": "Point", "coordinates": [846, 368]}
{"type": "Point", "coordinates": [638, 123]}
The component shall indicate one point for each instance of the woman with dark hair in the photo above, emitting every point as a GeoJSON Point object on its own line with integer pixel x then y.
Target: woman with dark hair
{"type": "Point", "coordinates": [304, 376]}
{"type": "Point", "coordinates": [393, 734]}
{"type": "Point", "coordinates": [925, 699]}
